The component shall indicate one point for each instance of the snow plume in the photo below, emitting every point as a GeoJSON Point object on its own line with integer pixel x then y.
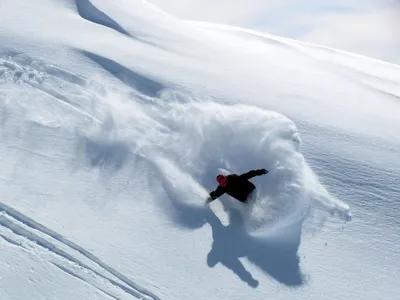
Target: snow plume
{"type": "Point", "coordinates": [190, 139]}
{"type": "Point", "coordinates": [187, 140]}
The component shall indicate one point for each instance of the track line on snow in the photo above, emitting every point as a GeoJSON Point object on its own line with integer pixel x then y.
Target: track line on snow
{"type": "Point", "coordinates": [69, 272]}
{"type": "Point", "coordinates": [59, 266]}
{"type": "Point", "coordinates": [36, 69]}
{"type": "Point", "coordinates": [63, 99]}
{"type": "Point", "coordinates": [5, 179]}
{"type": "Point", "coordinates": [65, 75]}
{"type": "Point", "coordinates": [68, 88]}
{"type": "Point", "coordinates": [11, 241]}
{"type": "Point", "coordinates": [127, 285]}
{"type": "Point", "coordinates": [29, 151]}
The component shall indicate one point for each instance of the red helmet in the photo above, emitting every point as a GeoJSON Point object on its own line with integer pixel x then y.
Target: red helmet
{"type": "Point", "coordinates": [222, 180]}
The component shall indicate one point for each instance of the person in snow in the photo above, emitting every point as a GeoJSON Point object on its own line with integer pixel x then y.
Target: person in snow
{"type": "Point", "coordinates": [236, 186]}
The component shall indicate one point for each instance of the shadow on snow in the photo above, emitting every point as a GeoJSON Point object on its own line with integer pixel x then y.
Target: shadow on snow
{"type": "Point", "coordinates": [278, 259]}
{"type": "Point", "coordinates": [139, 82]}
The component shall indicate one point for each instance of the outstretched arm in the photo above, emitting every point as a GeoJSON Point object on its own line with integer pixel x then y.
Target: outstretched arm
{"type": "Point", "coordinates": [216, 194]}
{"type": "Point", "coordinates": [254, 173]}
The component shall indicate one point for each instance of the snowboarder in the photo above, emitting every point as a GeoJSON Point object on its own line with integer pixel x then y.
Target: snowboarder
{"type": "Point", "coordinates": [237, 186]}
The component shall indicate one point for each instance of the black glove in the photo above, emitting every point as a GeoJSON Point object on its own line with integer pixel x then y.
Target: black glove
{"type": "Point", "coordinates": [264, 171]}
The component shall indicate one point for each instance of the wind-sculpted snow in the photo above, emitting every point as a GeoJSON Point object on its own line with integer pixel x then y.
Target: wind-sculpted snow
{"type": "Point", "coordinates": [89, 12]}
{"type": "Point", "coordinates": [136, 81]}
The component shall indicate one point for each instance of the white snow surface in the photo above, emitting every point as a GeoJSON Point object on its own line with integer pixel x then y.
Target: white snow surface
{"type": "Point", "coordinates": [115, 119]}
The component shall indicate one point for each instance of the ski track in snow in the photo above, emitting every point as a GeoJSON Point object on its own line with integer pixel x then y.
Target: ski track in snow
{"type": "Point", "coordinates": [71, 258]}
{"type": "Point", "coordinates": [65, 96]}
{"type": "Point", "coordinates": [67, 89]}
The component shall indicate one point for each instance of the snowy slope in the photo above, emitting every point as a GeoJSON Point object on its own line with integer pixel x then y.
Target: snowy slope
{"type": "Point", "coordinates": [115, 119]}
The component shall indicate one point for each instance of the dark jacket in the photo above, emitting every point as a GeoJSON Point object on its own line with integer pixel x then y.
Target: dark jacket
{"type": "Point", "coordinates": [238, 186]}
